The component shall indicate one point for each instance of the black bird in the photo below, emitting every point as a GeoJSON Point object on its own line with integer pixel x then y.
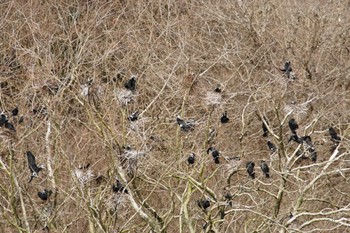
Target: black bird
{"type": "Point", "coordinates": [45, 194]}
{"type": "Point", "coordinates": [131, 83]}
{"type": "Point", "coordinates": [313, 154]}
{"type": "Point", "coordinates": [215, 153]}
{"type": "Point", "coordinates": [3, 119]}
{"type": "Point", "coordinates": [287, 68]}
{"type": "Point", "coordinates": [217, 89]}
{"type": "Point", "coordinates": [32, 165]}
{"type": "Point", "coordinates": [265, 168]}
{"type": "Point", "coordinates": [184, 125]}
{"type": "Point", "coordinates": [134, 116]}
{"type": "Point", "coordinates": [264, 126]}
{"type": "Point", "coordinates": [296, 139]}
{"type": "Point", "coordinates": [15, 111]}
{"type": "Point", "coordinates": [228, 198]}
{"type": "Point", "coordinates": [10, 126]}
{"type": "Point", "coordinates": [271, 146]}
{"type": "Point", "coordinates": [224, 119]}
{"type": "Point", "coordinates": [293, 125]}
{"type": "Point", "coordinates": [334, 136]}
{"type": "Point", "coordinates": [203, 204]}
{"type": "Point", "coordinates": [119, 187]}
{"type": "Point", "coordinates": [191, 158]}
{"type": "Point", "coordinates": [5, 122]}
{"type": "Point", "coordinates": [250, 169]}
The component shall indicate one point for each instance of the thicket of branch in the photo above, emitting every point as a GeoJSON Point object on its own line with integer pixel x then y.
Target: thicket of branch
{"type": "Point", "coordinates": [64, 64]}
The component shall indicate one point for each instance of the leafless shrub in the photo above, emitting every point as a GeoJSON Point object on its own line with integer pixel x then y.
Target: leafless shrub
{"type": "Point", "coordinates": [65, 64]}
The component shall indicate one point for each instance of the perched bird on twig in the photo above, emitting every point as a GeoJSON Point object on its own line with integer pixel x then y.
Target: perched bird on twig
{"type": "Point", "coordinates": [215, 153]}
{"type": "Point", "coordinates": [287, 69]}
{"type": "Point", "coordinates": [15, 111]}
{"type": "Point", "coordinates": [184, 125]}
{"type": "Point", "coordinates": [264, 127]}
{"type": "Point", "coordinates": [334, 136]}
{"type": "Point", "coordinates": [293, 125]}
{"type": "Point", "coordinates": [34, 168]}
{"type": "Point", "coordinates": [191, 158]}
{"type": "Point", "coordinates": [131, 83]}
{"type": "Point", "coordinates": [224, 119]}
{"type": "Point", "coordinates": [119, 187]}
{"type": "Point", "coordinates": [133, 116]}
{"type": "Point", "coordinates": [5, 122]}
{"type": "Point", "coordinates": [265, 168]}
{"type": "Point", "coordinates": [45, 194]}
{"type": "Point", "coordinates": [250, 169]}
{"type": "Point", "coordinates": [203, 204]}
{"type": "Point", "coordinates": [271, 146]}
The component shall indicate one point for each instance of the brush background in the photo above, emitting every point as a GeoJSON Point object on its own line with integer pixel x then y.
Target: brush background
{"type": "Point", "coordinates": [179, 51]}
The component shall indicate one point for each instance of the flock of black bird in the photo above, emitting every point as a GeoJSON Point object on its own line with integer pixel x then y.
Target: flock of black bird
{"type": "Point", "coordinates": [187, 126]}
{"type": "Point", "coordinates": [4, 121]}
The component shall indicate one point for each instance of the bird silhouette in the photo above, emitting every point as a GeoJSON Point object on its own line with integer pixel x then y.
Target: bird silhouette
{"type": "Point", "coordinates": [10, 126]}
{"type": "Point", "coordinates": [271, 146]}
{"type": "Point", "coordinates": [250, 169]}
{"type": "Point", "coordinates": [5, 122]}
{"type": "Point", "coordinates": [131, 83]}
{"type": "Point", "coordinates": [265, 168]}
{"type": "Point", "coordinates": [45, 194]}
{"type": "Point", "coordinates": [133, 116]}
{"type": "Point", "coordinates": [287, 68]}
{"type": "Point", "coordinates": [264, 127]}
{"type": "Point", "coordinates": [191, 158]}
{"type": "Point", "coordinates": [34, 169]}
{"type": "Point", "coordinates": [224, 119]}
{"type": "Point", "coordinates": [215, 153]}
{"type": "Point", "coordinates": [203, 204]}
{"type": "Point", "coordinates": [293, 125]}
{"type": "Point", "coordinates": [3, 119]}
{"type": "Point", "coordinates": [313, 154]}
{"type": "Point", "coordinates": [217, 88]}
{"type": "Point", "coordinates": [184, 125]}
{"type": "Point", "coordinates": [119, 187]}
{"type": "Point", "coordinates": [334, 136]}
{"type": "Point", "coordinates": [15, 111]}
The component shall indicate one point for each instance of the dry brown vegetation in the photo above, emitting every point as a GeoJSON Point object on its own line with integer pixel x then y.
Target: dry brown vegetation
{"type": "Point", "coordinates": [180, 51]}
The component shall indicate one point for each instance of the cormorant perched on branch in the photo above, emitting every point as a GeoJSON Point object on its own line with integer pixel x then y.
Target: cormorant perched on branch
{"type": "Point", "coordinates": [293, 125]}
{"type": "Point", "coordinates": [15, 111]}
{"type": "Point", "coordinates": [203, 204]}
{"type": "Point", "coordinates": [45, 194]}
{"type": "Point", "coordinates": [265, 168]}
{"type": "Point", "coordinates": [287, 68]}
{"type": "Point", "coordinates": [184, 125]}
{"type": "Point", "coordinates": [334, 136]}
{"type": "Point", "coordinates": [119, 187]}
{"type": "Point", "coordinates": [224, 119]}
{"type": "Point", "coordinates": [131, 83]}
{"type": "Point", "coordinates": [191, 158]}
{"type": "Point", "coordinates": [271, 146]}
{"type": "Point", "coordinates": [5, 122]}
{"type": "Point", "coordinates": [313, 154]}
{"type": "Point", "coordinates": [250, 169]}
{"type": "Point", "coordinates": [32, 165]}
{"type": "Point", "coordinates": [133, 116]}
{"type": "Point", "coordinates": [264, 126]}
{"type": "Point", "coordinates": [215, 153]}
